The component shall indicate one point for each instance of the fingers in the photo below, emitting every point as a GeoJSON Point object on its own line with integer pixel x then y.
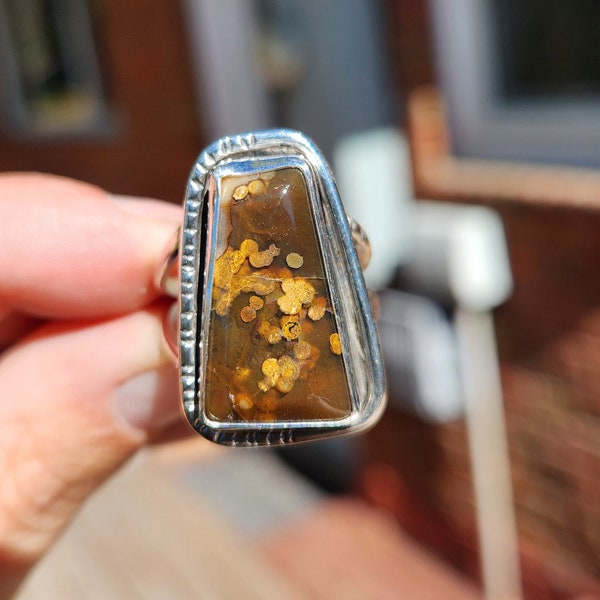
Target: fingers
{"type": "Point", "coordinates": [77, 401]}
{"type": "Point", "coordinates": [67, 250]}
{"type": "Point", "coordinates": [14, 326]}
{"type": "Point", "coordinates": [78, 397]}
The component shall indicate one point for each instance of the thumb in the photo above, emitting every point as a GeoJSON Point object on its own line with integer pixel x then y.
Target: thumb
{"type": "Point", "coordinates": [77, 401]}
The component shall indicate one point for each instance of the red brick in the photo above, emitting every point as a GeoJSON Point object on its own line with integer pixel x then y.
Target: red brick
{"type": "Point", "coordinates": [549, 345]}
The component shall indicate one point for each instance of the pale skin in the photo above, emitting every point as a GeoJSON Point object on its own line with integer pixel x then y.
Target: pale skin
{"type": "Point", "coordinates": [86, 378]}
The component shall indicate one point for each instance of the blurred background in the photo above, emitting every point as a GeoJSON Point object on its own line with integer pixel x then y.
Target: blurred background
{"type": "Point", "coordinates": [473, 127]}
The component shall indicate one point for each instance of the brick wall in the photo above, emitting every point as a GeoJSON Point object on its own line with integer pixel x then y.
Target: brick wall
{"type": "Point", "coordinates": [156, 132]}
{"type": "Point", "coordinates": [549, 344]}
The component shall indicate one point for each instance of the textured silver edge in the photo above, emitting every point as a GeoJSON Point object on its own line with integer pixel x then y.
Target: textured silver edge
{"type": "Point", "coordinates": [281, 433]}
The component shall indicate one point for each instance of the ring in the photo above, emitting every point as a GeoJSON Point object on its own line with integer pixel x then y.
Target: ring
{"type": "Point", "coordinates": [276, 339]}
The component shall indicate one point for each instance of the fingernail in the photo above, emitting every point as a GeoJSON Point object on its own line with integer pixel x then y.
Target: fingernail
{"type": "Point", "coordinates": [149, 402]}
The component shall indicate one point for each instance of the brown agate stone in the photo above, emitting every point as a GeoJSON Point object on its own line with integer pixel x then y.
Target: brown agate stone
{"type": "Point", "coordinates": [273, 343]}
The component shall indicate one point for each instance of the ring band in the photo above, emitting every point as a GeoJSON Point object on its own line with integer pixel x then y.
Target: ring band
{"type": "Point", "coordinates": [167, 277]}
{"type": "Point", "coordinates": [276, 340]}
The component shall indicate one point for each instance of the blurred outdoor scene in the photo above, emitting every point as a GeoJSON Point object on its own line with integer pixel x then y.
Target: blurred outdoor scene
{"type": "Point", "coordinates": [465, 138]}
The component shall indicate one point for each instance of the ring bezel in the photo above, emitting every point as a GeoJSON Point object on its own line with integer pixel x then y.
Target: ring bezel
{"type": "Point", "coordinates": [250, 153]}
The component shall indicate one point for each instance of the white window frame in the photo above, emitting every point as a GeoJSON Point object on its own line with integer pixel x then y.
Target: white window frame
{"type": "Point", "coordinates": [561, 131]}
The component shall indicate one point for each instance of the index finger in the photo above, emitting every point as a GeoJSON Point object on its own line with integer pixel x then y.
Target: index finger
{"type": "Point", "coordinates": [67, 250]}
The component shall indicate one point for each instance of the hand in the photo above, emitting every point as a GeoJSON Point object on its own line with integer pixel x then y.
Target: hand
{"type": "Point", "coordinates": [85, 376]}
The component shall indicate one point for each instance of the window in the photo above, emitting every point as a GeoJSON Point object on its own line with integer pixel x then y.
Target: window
{"type": "Point", "coordinates": [521, 78]}
{"type": "Point", "coordinates": [49, 72]}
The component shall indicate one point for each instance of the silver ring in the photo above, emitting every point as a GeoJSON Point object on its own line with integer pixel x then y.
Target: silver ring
{"type": "Point", "coordinates": [276, 339]}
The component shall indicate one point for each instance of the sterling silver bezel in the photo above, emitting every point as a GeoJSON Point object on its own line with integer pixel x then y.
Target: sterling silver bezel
{"type": "Point", "coordinates": [246, 154]}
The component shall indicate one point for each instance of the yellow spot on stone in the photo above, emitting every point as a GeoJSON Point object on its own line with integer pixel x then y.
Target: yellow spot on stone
{"type": "Point", "coordinates": [302, 350]}
{"type": "Point", "coordinates": [289, 305]}
{"type": "Point", "coordinates": [280, 373]}
{"type": "Point", "coordinates": [316, 313]}
{"type": "Point", "coordinates": [264, 258]}
{"type": "Point", "coordinates": [274, 336]}
{"type": "Point", "coordinates": [290, 328]}
{"type": "Point", "coordinates": [234, 285]}
{"type": "Point", "coordinates": [257, 186]}
{"type": "Point", "coordinates": [240, 192]}
{"type": "Point", "coordinates": [248, 247]}
{"type": "Point", "coordinates": [226, 266]}
{"type": "Point", "coordinates": [294, 260]}
{"type": "Point", "coordinates": [264, 385]}
{"type": "Point", "coordinates": [269, 332]}
{"type": "Point", "coordinates": [243, 401]}
{"type": "Point", "coordinates": [300, 288]}
{"type": "Point", "coordinates": [242, 374]}
{"type": "Point", "coordinates": [248, 314]}
{"type": "Point", "coordinates": [297, 292]}
{"type": "Point", "coordinates": [288, 369]}
{"type": "Point", "coordinates": [253, 283]}
{"type": "Point", "coordinates": [335, 344]}
{"type": "Point", "coordinates": [267, 176]}
{"type": "Point", "coordinates": [270, 367]}
{"type": "Point", "coordinates": [285, 385]}
{"type": "Point", "coordinates": [256, 302]}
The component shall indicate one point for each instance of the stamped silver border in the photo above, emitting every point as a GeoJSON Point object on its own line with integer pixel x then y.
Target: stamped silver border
{"type": "Point", "coordinates": [287, 147]}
